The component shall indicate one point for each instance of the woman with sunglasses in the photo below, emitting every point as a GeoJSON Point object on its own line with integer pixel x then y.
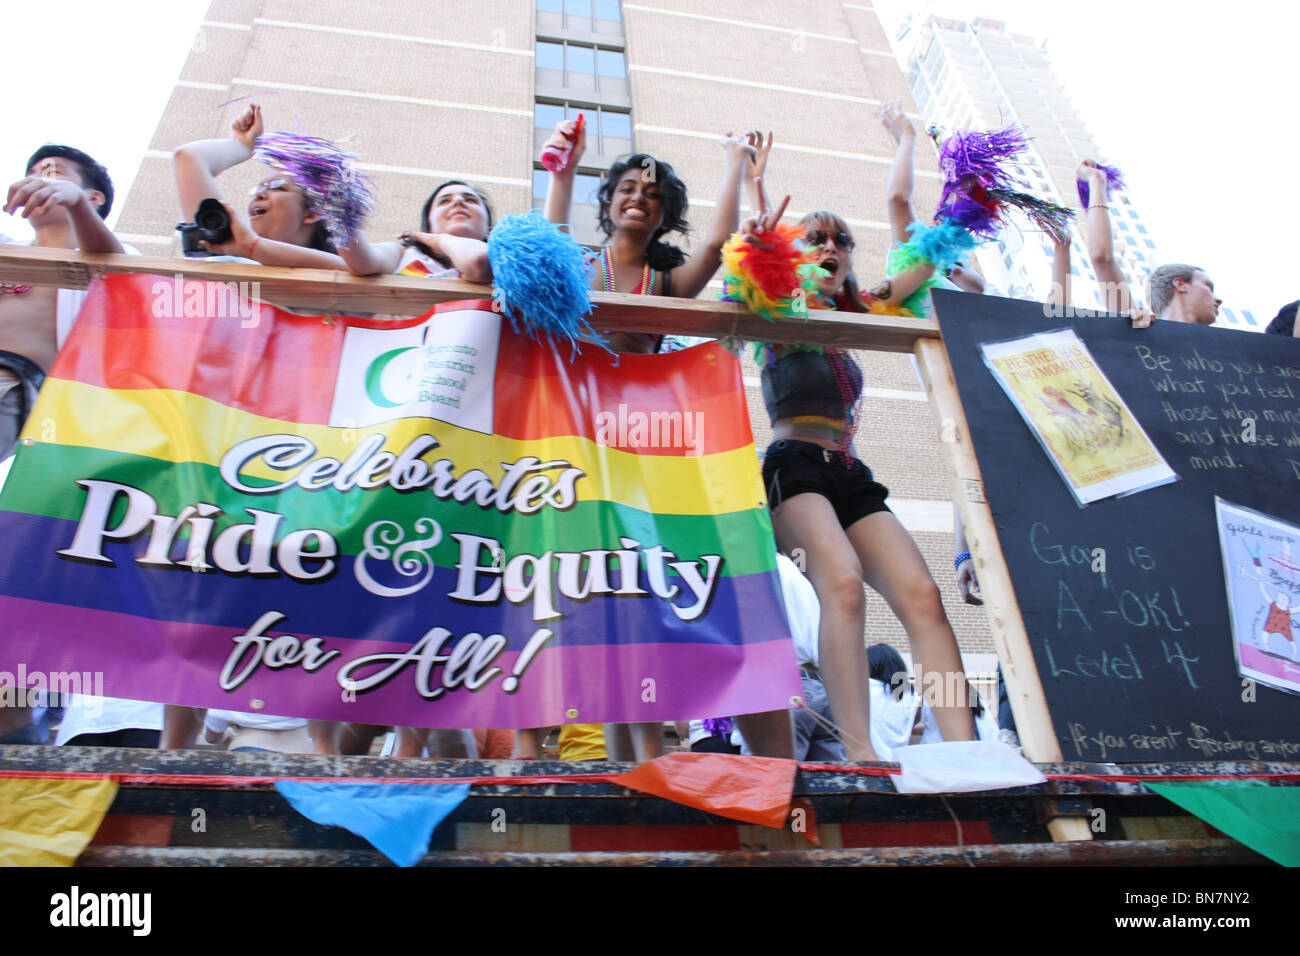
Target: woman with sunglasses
{"type": "Point", "coordinates": [826, 502]}
{"type": "Point", "coordinates": [281, 229]}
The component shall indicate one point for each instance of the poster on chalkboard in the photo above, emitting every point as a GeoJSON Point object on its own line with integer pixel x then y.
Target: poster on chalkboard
{"type": "Point", "coordinates": [1089, 434]}
{"type": "Point", "coordinates": [1261, 563]}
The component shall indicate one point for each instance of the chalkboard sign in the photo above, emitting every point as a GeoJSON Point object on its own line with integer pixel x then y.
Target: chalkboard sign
{"type": "Point", "coordinates": [1124, 600]}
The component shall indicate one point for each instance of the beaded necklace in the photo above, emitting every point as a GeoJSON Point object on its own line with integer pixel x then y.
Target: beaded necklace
{"type": "Point", "coordinates": [16, 289]}
{"type": "Point", "coordinates": [647, 286]}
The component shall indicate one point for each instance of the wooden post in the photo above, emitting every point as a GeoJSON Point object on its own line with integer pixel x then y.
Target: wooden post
{"type": "Point", "coordinates": [1010, 639]}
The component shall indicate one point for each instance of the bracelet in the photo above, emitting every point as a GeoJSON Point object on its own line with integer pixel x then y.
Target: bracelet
{"type": "Point", "coordinates": [956, 564]}
{"type": "Point", "coordinates": [251, 246]}
{"type": "Point", "coordinates": [1098, 205]}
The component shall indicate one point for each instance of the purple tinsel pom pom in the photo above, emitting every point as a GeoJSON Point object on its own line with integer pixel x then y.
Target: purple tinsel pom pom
{"type": "Point", "coordinates": [983, 155]}
{"type": "Point", "coordinates": [327, 177]}
{"type": "Point", "coordinates": [971, 216]}
{"type": "Point", "coordinates": [1114, 182]}
{"type": "Point", "coordinates": [718, 726]}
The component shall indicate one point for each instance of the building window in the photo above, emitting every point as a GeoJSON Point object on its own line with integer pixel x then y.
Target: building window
{"type": "Point", "coordinates": [586, 16]}
{"type": "Point", "coordinates": [577, 68]}
{"type": "Point", "coordinates": [1150, 244]}
{"type": "Point", "coordinates": [609, 132]}
{"type": "Point", "coordinates": [1141, 228]}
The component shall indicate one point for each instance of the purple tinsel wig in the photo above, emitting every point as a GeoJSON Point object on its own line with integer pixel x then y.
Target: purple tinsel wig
{"type": "Point", "coordinates": [1114, 182]}
{"type": "Point", "coordinates": [327, 177]}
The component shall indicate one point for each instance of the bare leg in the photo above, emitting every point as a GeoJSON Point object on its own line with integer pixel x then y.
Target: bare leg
{"type": "Point", "coordinates": [768, 734]}
{"type": "Point", "coordinates": [808, 521]}
{"type": "Point", "coordinates": [325, 736]}
{"type": "Point", "coordinates": [893, 566]}
{"type": "Point", "coordinates": [180, 727]}
{"type": "Point", "coordinates": [451, 743]}
{"type": "Point", "coordinates": [528, 742]}
{"type": "Point", "coordinates": [637, 742]}
{"type": "Point", "coordinates": [408, 742]}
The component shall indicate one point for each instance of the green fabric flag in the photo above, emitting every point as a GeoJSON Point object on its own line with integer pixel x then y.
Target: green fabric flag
{"type": "Point", "coordinates": [1264, 818]}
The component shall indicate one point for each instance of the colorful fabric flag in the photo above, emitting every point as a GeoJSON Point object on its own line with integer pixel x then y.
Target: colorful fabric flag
{"type": "Point", "coordinates": [48, 821]}
{"type": "Point", "coordinates": [1264, 818]}
{"type": "Point", "coordinates": [753, 789]}
{"type": "Point", "coordinates": [397, 819]}
{"type": "Point", "coordinates": [429, 521]}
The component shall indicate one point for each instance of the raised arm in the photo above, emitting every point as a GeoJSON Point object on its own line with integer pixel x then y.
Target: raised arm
{"type": "Point", "coordinates": [690, 278]}
{"type": "Point", "coordinates": [895, 289]}
{"type": "Point", "coordinates": [36, 195]}
{"type": "Point", "coordinates": [1060, 291]}
{"type": "Point", "coordinates": [559, 190]}
{"type": "Point", "coordinates": [196, 165]}
{"type": "Point", "coordinates": [756, 171]}
{"type": "Point", "coordinates": [899, 196]}
{"type": "Point", "coordinates": [1116, 295]}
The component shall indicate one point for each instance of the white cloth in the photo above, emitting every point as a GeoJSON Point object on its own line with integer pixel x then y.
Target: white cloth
{"type": "Point", "coordinates": [963, 767]}
{"type": "Point", "coordinates": [218, 720]}
{"type": "Point", "coordinates": [802, 609]}
{"type": "Point", "coordinates": [105, 715]}
{"type": "Point", "coordinates": [891, 719]}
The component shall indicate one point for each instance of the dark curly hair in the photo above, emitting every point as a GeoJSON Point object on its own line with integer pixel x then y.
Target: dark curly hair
{"type": "Point", "coordinates": [660, 255]}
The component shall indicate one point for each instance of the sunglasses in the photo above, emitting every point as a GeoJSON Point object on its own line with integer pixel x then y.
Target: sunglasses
{"type": "Point", "coordinates": [271, 185]}
{"type": "Point", "coordinates": [819, 237]}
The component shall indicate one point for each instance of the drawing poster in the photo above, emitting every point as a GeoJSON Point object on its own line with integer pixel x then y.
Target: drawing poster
{"type": "Point", "coordinates": [1261, 566]}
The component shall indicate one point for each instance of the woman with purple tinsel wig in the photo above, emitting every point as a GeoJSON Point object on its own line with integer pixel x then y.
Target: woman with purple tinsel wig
{"type": "Point", "coordinates": [284, 226]}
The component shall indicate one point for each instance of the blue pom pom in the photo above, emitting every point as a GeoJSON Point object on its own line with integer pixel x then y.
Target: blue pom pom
{"type": "Point", "coordinates": [541, 279]}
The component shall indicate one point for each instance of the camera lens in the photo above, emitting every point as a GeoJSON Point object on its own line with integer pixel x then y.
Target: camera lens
{"type": "Point", "coordinates": [213, 221]}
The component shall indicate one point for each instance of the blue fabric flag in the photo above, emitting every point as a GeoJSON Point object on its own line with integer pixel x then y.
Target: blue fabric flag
{"type": "Point", "coordinates": [396, 818]}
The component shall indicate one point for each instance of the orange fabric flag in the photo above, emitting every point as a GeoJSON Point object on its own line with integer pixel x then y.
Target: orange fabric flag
{"type": "Point", "coordinates": [753, 789]}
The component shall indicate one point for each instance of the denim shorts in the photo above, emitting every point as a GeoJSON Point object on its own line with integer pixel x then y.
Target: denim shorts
{"type": "Point", "coordinates": [800, 467]}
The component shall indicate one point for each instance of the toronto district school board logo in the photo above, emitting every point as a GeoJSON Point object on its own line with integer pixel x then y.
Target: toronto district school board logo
{"type": "Point", "coordinates": [444, 369]}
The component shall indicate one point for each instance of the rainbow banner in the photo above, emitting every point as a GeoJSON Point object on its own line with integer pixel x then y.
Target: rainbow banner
{"type": "Point", "coordinates": [430, 521]}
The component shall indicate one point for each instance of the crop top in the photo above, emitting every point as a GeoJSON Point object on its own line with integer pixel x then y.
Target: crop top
{"type": "Point", "coordinates": [805, 383]}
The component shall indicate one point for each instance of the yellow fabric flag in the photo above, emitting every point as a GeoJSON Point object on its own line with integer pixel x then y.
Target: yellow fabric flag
{"type": "Point", "coordinates": [49, 821]}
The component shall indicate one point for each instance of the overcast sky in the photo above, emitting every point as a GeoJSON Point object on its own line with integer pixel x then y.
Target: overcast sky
{"type": "Point", "coordinates": [1192, 100]}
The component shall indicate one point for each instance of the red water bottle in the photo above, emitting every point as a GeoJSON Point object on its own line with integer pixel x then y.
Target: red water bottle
{"type": "Point", "coordinates": [556, 158]}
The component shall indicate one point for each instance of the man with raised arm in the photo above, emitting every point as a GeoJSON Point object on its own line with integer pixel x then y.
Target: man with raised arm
{"type": "Point", "coordinates": [1176, 292]}
{"type": "Point", "coordinates": [65, 196]}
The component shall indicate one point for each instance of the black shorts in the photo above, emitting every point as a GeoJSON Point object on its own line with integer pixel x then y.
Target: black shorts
{"type": "Point", "coordinates": [799, 467]}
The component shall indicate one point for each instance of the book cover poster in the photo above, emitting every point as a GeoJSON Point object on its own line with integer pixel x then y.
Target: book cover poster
{"type": "Point", "coordinates": [1092, 438]}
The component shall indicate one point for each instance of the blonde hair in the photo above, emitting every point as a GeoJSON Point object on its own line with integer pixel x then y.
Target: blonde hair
{"type": "Point", "coordinates": [1160, 286]}
{"type": "Point", "coordinates": [830, 222]}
